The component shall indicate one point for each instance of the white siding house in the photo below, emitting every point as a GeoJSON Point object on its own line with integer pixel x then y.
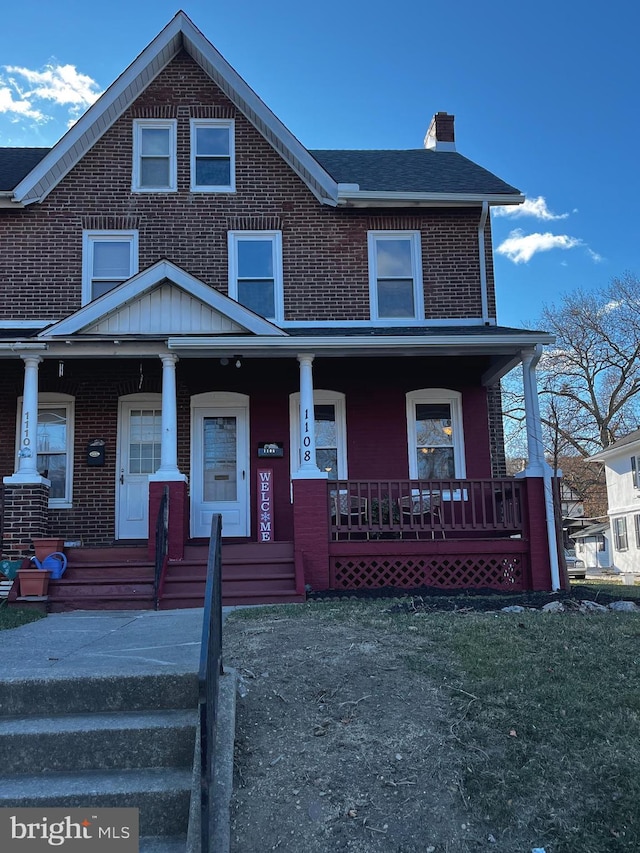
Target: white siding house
{"type": "Point", "coordinates": [622, 468]}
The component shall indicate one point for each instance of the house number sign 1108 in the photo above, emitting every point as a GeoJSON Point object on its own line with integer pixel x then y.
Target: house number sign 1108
{"type": "Point", "coordinates": [306, 440]}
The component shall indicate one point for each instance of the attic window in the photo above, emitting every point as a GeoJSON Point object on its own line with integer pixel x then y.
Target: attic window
{"type": "Point", "coordinates": [212, 155]}
{"type": "Point", "coordinates": [154, 155]}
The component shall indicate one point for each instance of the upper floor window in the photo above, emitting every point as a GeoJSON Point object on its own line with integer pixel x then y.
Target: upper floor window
{"type": "Point", "coordinates": [634, 472]}
{"type": "Point", "coordinates": [54, 444]}
{"type": "Point", "coordinates": [395, 275]}
{"type": "Point", "coordinates": [330, 429]}
{"type": "Point", "coordinates": [434, 430]}
{"type": "Point", "coordinates": [212, 155]}
{"type": "Point", "coordinates": [620, 534]}
{"type": "Point", "coordinates": [154, 155]}
{"type": "Point", "coordinates": [255, 271]}
{"type": "Point", "coordinates": [109, 258]}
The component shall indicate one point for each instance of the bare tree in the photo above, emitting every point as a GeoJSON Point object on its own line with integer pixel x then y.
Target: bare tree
{"type": "Point", "coordinates": [589, 381]}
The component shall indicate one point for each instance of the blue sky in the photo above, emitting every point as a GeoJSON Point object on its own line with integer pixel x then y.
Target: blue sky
{"type": "Point", "coordinates": [545, 95]}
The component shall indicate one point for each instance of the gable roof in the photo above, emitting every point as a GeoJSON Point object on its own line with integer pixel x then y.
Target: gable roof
{"type": "Point", "coordinates": [28, 175]}
{"type": "Point", "coordinates": [180, 33]}
{"type": "Point", "coordinates": [616, 447]}
{"type": "Point", "coordinates": [162, 300]}
{"type": "Point", "coordinates": [418, 170]}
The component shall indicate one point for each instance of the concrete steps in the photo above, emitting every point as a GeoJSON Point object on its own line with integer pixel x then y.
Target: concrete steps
{"type": "Point", "coordinates": [103, 742]}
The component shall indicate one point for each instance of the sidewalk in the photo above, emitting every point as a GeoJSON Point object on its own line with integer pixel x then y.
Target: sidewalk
{"type": "Point", "coordinates": [103, 643]}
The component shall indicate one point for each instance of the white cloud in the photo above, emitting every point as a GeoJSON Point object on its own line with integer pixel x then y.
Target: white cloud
{"type": "Point", "coordinates": [536, 207]}
{"type": "Point", "coordinates": [520, 247]}
{"type": "Point", "coordinates": [30, 94]}
{"type": "Point", "coordinates": [18, 108]}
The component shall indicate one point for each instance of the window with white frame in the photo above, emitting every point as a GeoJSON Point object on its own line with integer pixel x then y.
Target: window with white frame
{"type": "Point", "coordinates": [620, 534]}
{"type": "Point", "coordinates": [212, 155]}
{"type": "Point", "coordinates": [54, 444]}
{"type": "Point", "coordinates": [435, 436]}
{"type": "Point", "coordinates": [634, 472]}
{"type": "Point", "coordinates": [108, 259]}
{"type": "Point", "coordinates": [636, 520]}
{"type": "Point", "coordinates": [395, 275]}
{"type": "Point", "coordinates": [255, 271]}
{"type": "Point", "coordinates": [154, 155]}
{"type": "Point", "coordinates": [330, 433]}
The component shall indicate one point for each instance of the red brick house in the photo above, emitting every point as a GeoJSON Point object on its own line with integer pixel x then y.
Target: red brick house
{"type": "Point", "coordinates": [305, 341]}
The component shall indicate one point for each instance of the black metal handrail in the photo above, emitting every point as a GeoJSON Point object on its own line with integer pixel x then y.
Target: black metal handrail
{"type": "Point", "coordinates": [162, 547]}
{"type": "Point", "coordinates": [208, 679]}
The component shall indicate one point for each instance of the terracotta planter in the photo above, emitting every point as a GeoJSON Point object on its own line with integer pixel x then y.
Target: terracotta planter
{"type": "Point", "coordinates": [44, 547]}
{"type": "Point", "coordinates": [33, 581]}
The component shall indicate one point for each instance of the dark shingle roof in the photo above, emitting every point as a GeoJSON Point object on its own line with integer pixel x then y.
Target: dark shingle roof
{"type": "Point", "coordinates": [15, 163]}
{"type": "Point", "coordinates": [416, 170]}
{"type": "Point", "coordinates": [406, 331]}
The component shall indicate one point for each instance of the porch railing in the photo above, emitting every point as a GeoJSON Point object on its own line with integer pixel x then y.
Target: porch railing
{"type": "Point", "coordinates": [418, 509]}
{"type": "Point", "coordinates": [208, 680]}
{"type": "Point", "coordinates": [162, 546]}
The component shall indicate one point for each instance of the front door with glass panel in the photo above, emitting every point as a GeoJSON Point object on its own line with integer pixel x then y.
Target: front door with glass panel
{"type": "Point", "coordinates": [140, 435]}
{"type": "Point", "coordinates": [219, 475]}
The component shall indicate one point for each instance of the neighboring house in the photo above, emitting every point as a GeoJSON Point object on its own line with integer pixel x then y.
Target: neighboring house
{"type": "Point", "coordinates": [593, 546]}
{"type": "Point", "coordinates": [622, 470]}
{"type": "Point", "coordinates": [303, 341]}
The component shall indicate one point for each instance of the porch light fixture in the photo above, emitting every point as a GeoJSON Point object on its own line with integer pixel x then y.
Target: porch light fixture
{"type": "Point", "coordinates": [238, 359]}
{"type": "Point", "coordinates": [224, 362]}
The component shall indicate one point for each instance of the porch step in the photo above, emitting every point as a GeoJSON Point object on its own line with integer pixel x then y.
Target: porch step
{"type": "Point", "coordinates": [112, 579]}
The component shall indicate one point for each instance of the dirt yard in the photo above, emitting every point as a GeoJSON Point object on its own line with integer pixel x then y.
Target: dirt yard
{"type": "Point", "coordinates": [339, 745]}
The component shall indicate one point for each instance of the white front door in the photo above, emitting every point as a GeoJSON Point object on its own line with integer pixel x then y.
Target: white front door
{"type": "Point", "coordinates": [220, 468]}
{"type": "Point", "coordinates": [139, 440]}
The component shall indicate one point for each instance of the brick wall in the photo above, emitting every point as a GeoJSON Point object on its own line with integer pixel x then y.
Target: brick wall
{"type": "Point", "coordinates": [325, 249]}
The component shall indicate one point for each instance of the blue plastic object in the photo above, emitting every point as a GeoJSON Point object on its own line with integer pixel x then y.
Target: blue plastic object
{"type": "Point", "coordinates": [56, 563]}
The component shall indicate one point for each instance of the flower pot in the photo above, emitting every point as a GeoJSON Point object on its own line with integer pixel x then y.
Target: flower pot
{"type": "Point", "coordinates": [33, 581]}
{"type": "Point", "coordinates": [44, 547]}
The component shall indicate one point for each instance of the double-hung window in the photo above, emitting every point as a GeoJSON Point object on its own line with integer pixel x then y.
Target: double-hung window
{"type": "Point", "coordinates": [636, 520]}
{"type": "Point", "coordinates": [395, 275]}
{"type": "Point", "coordinates": [54, 444]}
{"type": "Point", "coordinates": [435, 439]}
{"type": "Point", "coordinates": [635, 474]}
{"type": "Point", "coordinates": [330, 432]}
{"type": "Point", "coordinates": [212, 155]}
{"type": "Point", "coordinates": [620, 534]}
{"type": "Point", "coordinates": [109, 258]}
{"type": "Point", "coordinates": [154, 155]}
{"type": "Point", "coordinates": [255, 271]}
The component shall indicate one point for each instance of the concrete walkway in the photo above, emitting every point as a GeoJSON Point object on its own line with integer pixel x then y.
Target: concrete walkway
{"type": "Point", "coordinates": [103, 643]}
{"type": "Point", "coordinates": [106, 645]}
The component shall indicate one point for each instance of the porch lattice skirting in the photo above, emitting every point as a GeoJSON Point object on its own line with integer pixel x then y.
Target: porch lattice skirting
{"type": "Point", "coordinates": [497, 571]}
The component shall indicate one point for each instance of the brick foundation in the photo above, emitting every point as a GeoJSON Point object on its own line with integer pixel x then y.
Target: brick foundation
{"type": "Point", "coordinates": [26, 517]}
{"type": "Point", "coordinates": [311, 530]}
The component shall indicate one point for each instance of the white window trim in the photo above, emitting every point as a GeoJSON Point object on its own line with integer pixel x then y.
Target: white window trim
{"type": "Point", "coordinates": [235, 237]}
{"type": "Point", "coordinates": [54, 400]}
{"type": "Point", "coordinates": [206, 188]}
{"type": "Point", "coordinates": [335, 398]}
{"type": "Point", "coordinates": [416, 260]}
{"type": "Point", "coordinates": [89, 239]}
{"type": "Point", "coordinates": [165, 124]}
{"type": "Point", "coordinates": [429, 396]}
{"type": "Point", "coordinates": [619, 537]}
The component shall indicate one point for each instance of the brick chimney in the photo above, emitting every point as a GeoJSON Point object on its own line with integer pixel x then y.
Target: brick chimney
{"type": "Point", "coordinates": [440, 136]}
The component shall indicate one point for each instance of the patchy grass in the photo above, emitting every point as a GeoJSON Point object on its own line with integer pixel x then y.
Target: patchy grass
{"type": "Point", "coordinates": [12, 617]}
{"type": "Point", "coordinates": [544, 714]}
{"type": "Point", "coordinates": [617, 588]}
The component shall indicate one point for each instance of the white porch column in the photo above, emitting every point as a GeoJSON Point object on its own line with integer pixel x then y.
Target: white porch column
{"type": "Point", "coordinates": [536, 464]}
{"type": "Point", "coordinates": [308, 469]}
{"type": "Point", "coordinates": [27, 471]}
{"type": "Point", "coordinates": [168, 469]}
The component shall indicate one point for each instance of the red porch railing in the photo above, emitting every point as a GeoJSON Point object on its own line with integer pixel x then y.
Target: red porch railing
{"type": "Point", "coordinates": [425, 509]}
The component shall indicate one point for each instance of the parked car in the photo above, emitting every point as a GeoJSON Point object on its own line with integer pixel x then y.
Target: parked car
{"type": "Point", "coordinates": [575, 567]}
